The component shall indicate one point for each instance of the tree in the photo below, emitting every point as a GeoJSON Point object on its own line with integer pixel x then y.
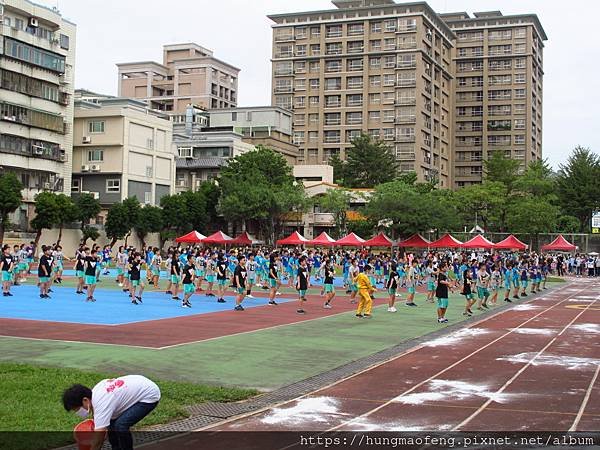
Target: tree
{"type": "Point", "coordinates": [567, 224]}
{"type": "Point", "coordinates": [259, 186]}
{"type": "Point", "coordinates": [89, 232]}
{"type": "Point", "coordinates": [150, 220]}
{"type": "Point", "coordinates": [369, 163]}
{"type": "Point", "coordinates": [339, 169]}
{"type": "Point", "coordinates": [337, 202]}
{"type": "Point", "coordinates": [481, 202]}
{"type": "Point", "coordinates": [533, 215]}
{"type": "Point", "coordinates": [118, 223]}
{"type": "Point", "coordinates": [502, 169]}
{"type": "Point", "coordinates": [67, 212]}
{"type": "Point", "coordinates": [212, 194]}
{"type": "Point", "coordinates": [362, 227]}
{"type": "Point", "coordinates": [46, 214]}
{"type": "Point", "coordinates": [537, 180]}
{"type": "Point", "coordinates": [86, 207]}
{"type": "Point", "coordinates": [578, 186]}
{"type": "Point", "coordinates": [196, 207]}
{"type": "Point", "coordinates": [132, 204]}
{"type": "Point", "coordinates": [175, 213]}
{"type": "Point", "coordinates": [10, 199]}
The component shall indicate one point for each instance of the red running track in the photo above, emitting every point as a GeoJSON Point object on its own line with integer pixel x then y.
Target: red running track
{"type": "Point", "coordinates": [530, 368]}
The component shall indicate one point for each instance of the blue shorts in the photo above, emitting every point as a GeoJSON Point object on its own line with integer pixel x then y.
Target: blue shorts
{"type": "Point", "coordinates": [482, 292]}
{"type": "Point", "coordinates": [188, 288]}
{"type": "Point", "coordinates": [211, 278]}
{"type": "Point", "coordinates": [199, 272]}
{"type": "Point", "coordinates": [272, 283]}
{"type": "Point", "coordinates": [328, 288]}
{"type": "Point", "coordinates": [411, 290]}
{"type": "Point", "coordinates": [442, 302]}
{"type": "Point", "coordinates": [6, 275]}
{"type": "Point", "coordinates": [221, 282]}
{"type": "Point", "coordinates": [90, 280]}
{"type": "Point", "coordinates": [430, 286]}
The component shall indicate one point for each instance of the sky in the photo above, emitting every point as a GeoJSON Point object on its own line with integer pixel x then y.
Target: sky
{"type": "Point", "coordinates": [238, 31]}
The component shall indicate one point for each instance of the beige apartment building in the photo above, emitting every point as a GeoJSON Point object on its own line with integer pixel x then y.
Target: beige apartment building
{"type": "Point", "coordinates": [441, 91]}
{"type": "Point", "coordinates": [37, 58]}
{"type": "Point", "coordinates": [122, 149]}
{"type": "Point", "coordinates": [498, 90]}
{"type": "Point", "coordinates": [189, 74]}
{"type": "Point", "coordinates": [368, 67]}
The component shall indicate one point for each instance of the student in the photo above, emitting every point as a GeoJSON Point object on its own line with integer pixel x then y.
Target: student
{"type": "Point", "coordinates": [483, 283]}
{"type": "Point", "coordinates": [116, 405]}
{"type": "Point", "coordinates": [80, 269]}
{"type": "Point", "coordinates": [411, 283]}
{"type": "Point", "coordinates": [251, 270]}
{"type": "Point", "coordinates": [44, 271]}
{"type": "Point", "coordinates": [430, 277]}
{"type": "Point", "coordinates": [188, 282]}
{"type": "Point", "coordinates": [515, 280]}
{"type": "Point", "coordinates": [392, 286]}
{"type": "Point", "coordinates": [121, 261]}
{"type": "Point", "coordinates": [211, 265]}
{"type": "Point", "coordinates": [524, 280]}
{"type": "Point", "coordinates": [467, 292]}
{"type": "Point", "coordinates": [135, 281]}
{"type": "Point", "coordinates": [106, 259]}
{"type": "Point", "coordinates": [441, 292]}
{"type": "Point", "coordinates": [365, 289]}
{"type": "Point", "coordinates": [200, 270]}
{"type": "Point", "coordinates": [328, 283]}
{"type": "Point", "coordinates": [90, 268]}
{"type": "Point", "coordinates": [175, 275]}
{"type": "Point", "coordinates": [273, 277]}
{"type": "Point", "coordinates": [221, 278]}
{"type": "Point", "coordinates": [154, 269]}
{"type": "Point", "coordinates": [239, 282]}
{"type": "Point", "coordinates": [58, 256]}
{"type": "Point", "coordinates": [302, 283]}
{"type": "Point", "coordinates": [353, 272]}
{"type": "Point", "coordinates": [17, 265]}
{"type": "Point", "coordinates": [495, 283]}
{"type": "Point", "coordinates": [6, 266]}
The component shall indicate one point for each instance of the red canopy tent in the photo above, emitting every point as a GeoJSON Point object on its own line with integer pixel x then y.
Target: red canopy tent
{"type": "Point", "coordinates": [246, 239]}
{"type": "Point", "coordinates": [351, 240]}
{"type": "Point", "coordinates": [560, 244]}
{"type": "Point", "coordinates": [381, 240]}
{"type": "Point", "coordinates": [478, 242]}
{"type": "Point", "coordinates": [446, 241]}
{"type": "Point", "coordinates": [193, 237]}
{"type": "Point", "coordinates": [415, 241]}
{"type": "Point", "coordinates": [510, 243]}
{"type": "Point", "coordinates": [293, 239]}
{"type": "Point", "coordinates": [218, 238]}
{"type": "Point", "coordinates": [323, 239]}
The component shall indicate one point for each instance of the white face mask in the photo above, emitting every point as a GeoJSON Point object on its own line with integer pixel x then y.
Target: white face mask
{"type": "Point", "coordinates": [82, 412]}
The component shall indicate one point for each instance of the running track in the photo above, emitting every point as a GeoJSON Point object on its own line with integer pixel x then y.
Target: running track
{"type": "Point", "coordinates": [534, 367]}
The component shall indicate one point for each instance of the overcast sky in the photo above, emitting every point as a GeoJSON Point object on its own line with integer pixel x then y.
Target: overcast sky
{"type": "Point", "coordinates": [238, 31]}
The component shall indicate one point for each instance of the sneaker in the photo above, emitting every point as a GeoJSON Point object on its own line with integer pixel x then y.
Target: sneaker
{"type": "Point", "coordinates": [360, 316]}
{"type": "Point", "coordinates": [125, 290]}
{"type": "Point", "coordinates": [411, 304]}
{"type": "Point", "coordinates": [398, 295]}
{"type": "Point", "coordinates": [139, 298]}
{"type": "Point", "coordinates": [250, 296]}
{"type": "Point", "coordinates": [300, 311]}
{"type": "Point", "coordinates": [120, 284]}
{"type": "Point", "coordinates": [466, 314]}
{"type": "Point", "coordinates": [516, 296]}
{"type": "Point", "coordinates": [9, 294]}
{"type": "Point", "coordinates": [277, 293]}
{"type": "Point", "coordinates": [469, 311]}
{"type": "Point", "coordinates": [274, 303]}
{"type": "Point", "coordinates": [185, 305]}
{"type": "Point", "coordinates": [134, 302]}
{"type": "Point", "coordinates": [238, 308]}
{"type": "Point", "coordinates": [444, 320]}
{"type": "Point", "coordinates": [523, 295]}
{"type": "Point", "coordinates": [440, 320]}
{"type": "Point", "coordinates": [5, 294]}
{"type": "Point", "coordinates": [392, 309]}
{"type": "Point", "coordinates": [168, 292]}
{"type": "Point", "coordinates": [221, 300]}
{"type": "Point", "coordinates": [176, 298]}
{"type": "Point", "coordinates": [327, 306]}
{"type": "Point", "coordinates": [508, 300]}
{"type": "Point", "coordinates": [366, 316]}
{"type": "Point", "coordinates": [485, 306]}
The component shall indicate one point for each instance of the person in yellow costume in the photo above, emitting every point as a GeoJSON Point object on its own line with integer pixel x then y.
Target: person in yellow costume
{"type": "Point", "coordinates": [365, 289]}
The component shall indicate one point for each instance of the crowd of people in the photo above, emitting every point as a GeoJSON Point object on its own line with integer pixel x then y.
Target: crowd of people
{"type": "Point", "coordinates": [482, 278]}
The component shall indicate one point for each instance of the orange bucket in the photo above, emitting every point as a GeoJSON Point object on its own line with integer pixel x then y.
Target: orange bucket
{"type": "Point", "coordinates": [83, 434]}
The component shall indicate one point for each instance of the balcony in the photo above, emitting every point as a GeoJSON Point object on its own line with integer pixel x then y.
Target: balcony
{"type": "Point", "coordinates": [356, 49]}
{"type": "Point", "coordinates": [333, 104]}
{"type": "Point", "coordinates": [405, 101]}
{"type": "Point", "coordinates": [332, 139]}
{"type": "Point", "coordinates": [333, 34]}
{"type": "Point", "coordinates": [406, 82]}
{"type": "Point", "coordinates": [331, 122]}
{"type": "Point", "coordinates": [406, 119]}
{"type": "Point", "coordinates": [405, 138]}
{"type": "Point", "coordinates": [283, 37]}
{"type": "Point", "coordinates": [283, 89]}
{"type": "Point", "coordinates": [405, 156]}
{"type": "Point", "coordinates": [284, 54]}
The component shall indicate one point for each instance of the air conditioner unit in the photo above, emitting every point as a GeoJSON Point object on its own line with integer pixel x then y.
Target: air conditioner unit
{"type": "Point", "coordinates": [95, 168]}
{"type": "Point", "coordinates": [33, 22]}
{"type": "Point", "coordinates": [85, 168]}
{"type": "Point", "coordinates": [96, 195]}
{"type": "Point", "coordinates": [87, 140]}
{"type": "Point", "coordinates": [38, 150]}
{"type": "Point", "coordinates": [63, 158]}
{"type": "Point", "coordinates": [47, 185]}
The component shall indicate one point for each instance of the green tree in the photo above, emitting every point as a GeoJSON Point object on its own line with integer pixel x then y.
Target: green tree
{"type": "Point", "coordinates": [150, 220]}
{"type": "Point", "coordinates": [133, 210]}
{"type": "Point", "coordinates": [212, 194]}
{"type": "Point", "coordinates": [86, 207]}
{"type": "Point", "coordinates": [337, 202]}
{"type": "Point", "coordinates": [501, 169]}
{"type": "Point", "coordinates": [196, 207]}
{"type": "Point", "coordinates": [363, 227]}
{"type": "Point", "coordinates": [578, 186]}
{"type": "Point", "coordinates": [369, 163]}
{"type": "Point", "coordinates": [533, 215]}
{"type": "Point", "coordinates": [89, 232]}
{"type": "Point", "coordinates": [118, 223]}
{"type": "Point", "coordinates": [259, 186]}
{"type": "Point", "coordinates": [567, 224]}
{"type": "Point", "coordinates": [339, 169]}
{"type": "Point", "coordinates": [175, 213]}
{"type": "Point", "coordinates": [481, 202]}
{"type": "Point", "coordinates": [67, 212]}
{"type": "Point", "coordinates": [46, 214]}
{"type": "Point", "coordinates": [10, 199]}
{"type": "Point", "coordinates": [538, 180]}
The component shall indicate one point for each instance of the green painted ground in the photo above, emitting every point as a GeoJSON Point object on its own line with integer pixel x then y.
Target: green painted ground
{"type": "Point", "coordinates": [263, 360]}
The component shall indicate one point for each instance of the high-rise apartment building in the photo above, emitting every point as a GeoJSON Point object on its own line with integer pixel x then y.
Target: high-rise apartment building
{"type": "Point", "coordinates": [498, 90]}
{"type": "Point", "coordinates": [189, 74]}
{"type": "Point", "coordinates": [37, 55]}
{"type": "Point", "coordinates": [441, 90]}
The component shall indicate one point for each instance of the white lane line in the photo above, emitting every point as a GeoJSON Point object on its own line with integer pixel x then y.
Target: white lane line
{"type": "Point", "coordinates": [519, 372]}
{"type": "Point", "coordinates": [585, 400]}
{"type": "Point", "coordinates": [416, 386]}
{"type": "Point", "coordinates": [65, 341]}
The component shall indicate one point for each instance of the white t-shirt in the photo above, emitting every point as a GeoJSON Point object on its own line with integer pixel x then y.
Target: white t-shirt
{"type": "Point", "coordinates": [110, 398]}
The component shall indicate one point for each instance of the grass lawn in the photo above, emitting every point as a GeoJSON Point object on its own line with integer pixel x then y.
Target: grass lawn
{"type": "Point", "coordinates": [31, 401]}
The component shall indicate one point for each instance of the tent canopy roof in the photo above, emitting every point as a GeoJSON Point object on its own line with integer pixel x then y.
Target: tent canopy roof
{"type": "Point", "coordinates": [415, 241]}
{"type": "Point", "coordinates": [446, 241]}
{"type": "Point", "coordinates": [510, 243]}
{"type": "Point", "coordinates": [478, 242]}
{"type": "Point", "coordinates": [323, 239]}
{"type": "Point", "coordinates": [193, 237]}
{"type": "Point", "coordinates": [351, 240]}
{"type": "Point", "coordinates": [381, 240]}
{"type": "Point", "coordinates": [293, 239]}
{"type": "Point", "coordinates": [218, 238]}
{"type": "Point", "coordinates": [559, 244]}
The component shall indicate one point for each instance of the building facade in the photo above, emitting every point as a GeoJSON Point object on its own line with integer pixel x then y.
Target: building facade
{"type": "Point", "coordinates": [122, 149]}
{"type": "Point", "coordinates": [368, 67]}
{"type": "Point", "coordinates": [498, 66]}
{"type": "Point", "coordinates": [37, 58]}
{"type": "Point", "coordinates": [189, 74]}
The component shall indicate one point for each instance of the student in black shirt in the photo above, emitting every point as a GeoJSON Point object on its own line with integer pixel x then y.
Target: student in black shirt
{"type": "Point", "coordinates": [91, 268]}
{"type": "Point", "coordinates": [302, 283]}
{"type": "Point", "coordinates": [392, 287]}
{"type": "Point", "coordinates": [441, 292]}
{"type": "Point", "coordinates": [175, 275]}
{"type": "Point", "coordinates": [79, 268]}
{"type": "Point", "coordinates": [239, 282]}
{"type": "Point", "coordinates": [44, 271]}
{"type": "Point", "coordinates": [188, 282]}
{"type": "Point", "coordinates": [221, 278]}
{"type": "Point", "coordinates": [273, 277]}
{"type": "Point", "coordinates": [135, 268]}
{"type": "Point", "coordinates": [6, 266]}
{"type": "Point", "coordinates": [329, 289]}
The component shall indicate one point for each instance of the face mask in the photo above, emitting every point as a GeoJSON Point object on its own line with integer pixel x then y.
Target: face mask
{"type": "Point", "coordinates": [82, 412]}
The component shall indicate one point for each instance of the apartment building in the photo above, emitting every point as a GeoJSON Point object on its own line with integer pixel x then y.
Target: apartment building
{"type": "Point", "coordinates": [122, 149]}
{"type": "Point", "coordinates": [498, 91]}
{"type": "Point", "coordinates": [369, 66]}
{"type": "Point", "coordinates": [189, 74]}
{"type": "Point", "coordinates": [37, 58]}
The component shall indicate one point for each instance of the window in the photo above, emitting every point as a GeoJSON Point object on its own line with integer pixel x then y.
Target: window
{"type": "Point", "coordinates": [389, 62]}
{"type": "Point", "coordinates": [407, 25]}
{"type": "Point", "coordinates": [520, 48]}
{"type": "Point", "coordinates": [375, 63]}
{"type": "Point", "coordinates": [352, 134]}
{"type": "Point", "coordinates": [300, 102]}
{"type": "Point", "coordinates": [333, 84]}
{"type": "Point", "coordinates": [355, 65]}
{"type": "Point", "coordinates": [375, 27]}
{"type": "Point", "coordinates": [16, 82]}
{"type": "Point", "coordinates": [333, 31]}
{"type": "Point", "coordinates": [520, 139]}
{"type": "Point", "coordinates": [313, 119]}
{"type": "Point", "coordinates": [234, 116]}
{"type": "Point", "coordinates": [301, 33]}
{"type": "Point", "coordinates": [390, 26]}
{"type": "Point", "coordinates": [75, 184]}
{"type": "Point", "coordinates": [96, 126]}
{"type": "Point", "coordinates": [521, 32]}
{"type": "Point", "coordinates": [184, 152]}
{"type": "Point", "coordinates": [520, 108]}
{"type": "Point", "coordinates": [283, 101]}
{"type": "Point", "coordinates": [333, 101]}
{"type": "Point", "coordinates": [375, 45]}
{"type": "Point", "coordinates": [313, 136]}
{"type": "Point", "coordinates": [519, 124]}
{"type": "Point", "coordinates": [355, 29]}
{"type": "Point", "coordinates": [147, 198]}
{"type": "Point", "coordinates": [300, 84]}
{"type": "Point", "coordinates": [298, 137]}
{"type": "Point", "coordinates": [149, 171]}
{"type": "Point", "coordinates": [314, 67]}
{"type": "Point", "coordinates": [388, 134]}
{"type": "Point", "coordinates": [355, 47]}
{"type": "Point", "coordinates": [375, 133]}
{"type": "Point", "coordinates": [315, 49]}
{"type": "Point", "coordinates": [33, 55]}
{"type": "Point", "coordinates": [353, 118]}
{"type": "Point", "coordinates": [333, 48]}
{"type": "Point", "coordinates": [520, 93]}
{"type": "Point", "coordinates": [520, 78]}
{"type": "Point", "coordinates": [374, 99]}
{"type": "Point", "coordinates": [375, 80]}
{"type": "Point", "coordinates": [496, 50]}
{"type": "Point", "coordinates": [315, 32]}
{"type": "Point", "coordinates": [333, 66]}
{"type": "Point", "coordinates": [374, 115]}
{"type": "Point", "coordinates": [499, 35]}
{"type": "Point", "coordinates": [389, 80]}
{"type": "Point", "coordinates": [389, 115]}
{"type": "Point", "coordinates": [332, 137]}
{"type": "Point", "coordinates": [298, 119]}
{"type": "Point", "coordinates": [520, 63]}
{"type": "Point", "coordinates": [354, 82]}
{"type": "Point", "coordinates": [113, 186]}
{"type": "Point", "coordinates": [313, 100]}
{"type": "Point", "coordinates": [95, 155]}
{"type": "Point", "coordinates": [300, 67]}
{"type": "Point", "coordinates": [389, 44]}
{"type": "Point", "coordinates": [354, 100]}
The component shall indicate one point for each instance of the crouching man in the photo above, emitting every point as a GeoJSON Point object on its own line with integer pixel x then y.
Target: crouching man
{"type": "Point", "coordinates": [115, 405]}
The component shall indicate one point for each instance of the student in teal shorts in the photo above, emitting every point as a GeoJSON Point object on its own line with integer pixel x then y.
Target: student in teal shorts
{"type": "Point", "coordinates": [467, 292]}
{"type": "Point", "coordinates": [44, 271]}
{"type": "Point", "coordinates": [239, 282]}
{"type": "Point", "coordinates": [79, 269]}
{"type": "Point", "coordinates": [441, 292]}
{"type": "Point", "coordinates": [6, 266]}
{"type": "Point", "coordinates": [188, 282]}
{"type": "Point", "coordinates": [328, 288]}
{"type": "Point", "coordinates": [91, 265]}
{"type": "Point", "coordinates": [411, 283]}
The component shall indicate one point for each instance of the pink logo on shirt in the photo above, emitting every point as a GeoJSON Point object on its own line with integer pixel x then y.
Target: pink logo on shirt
{"type": "Point", "coordinates": [114, 384]}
